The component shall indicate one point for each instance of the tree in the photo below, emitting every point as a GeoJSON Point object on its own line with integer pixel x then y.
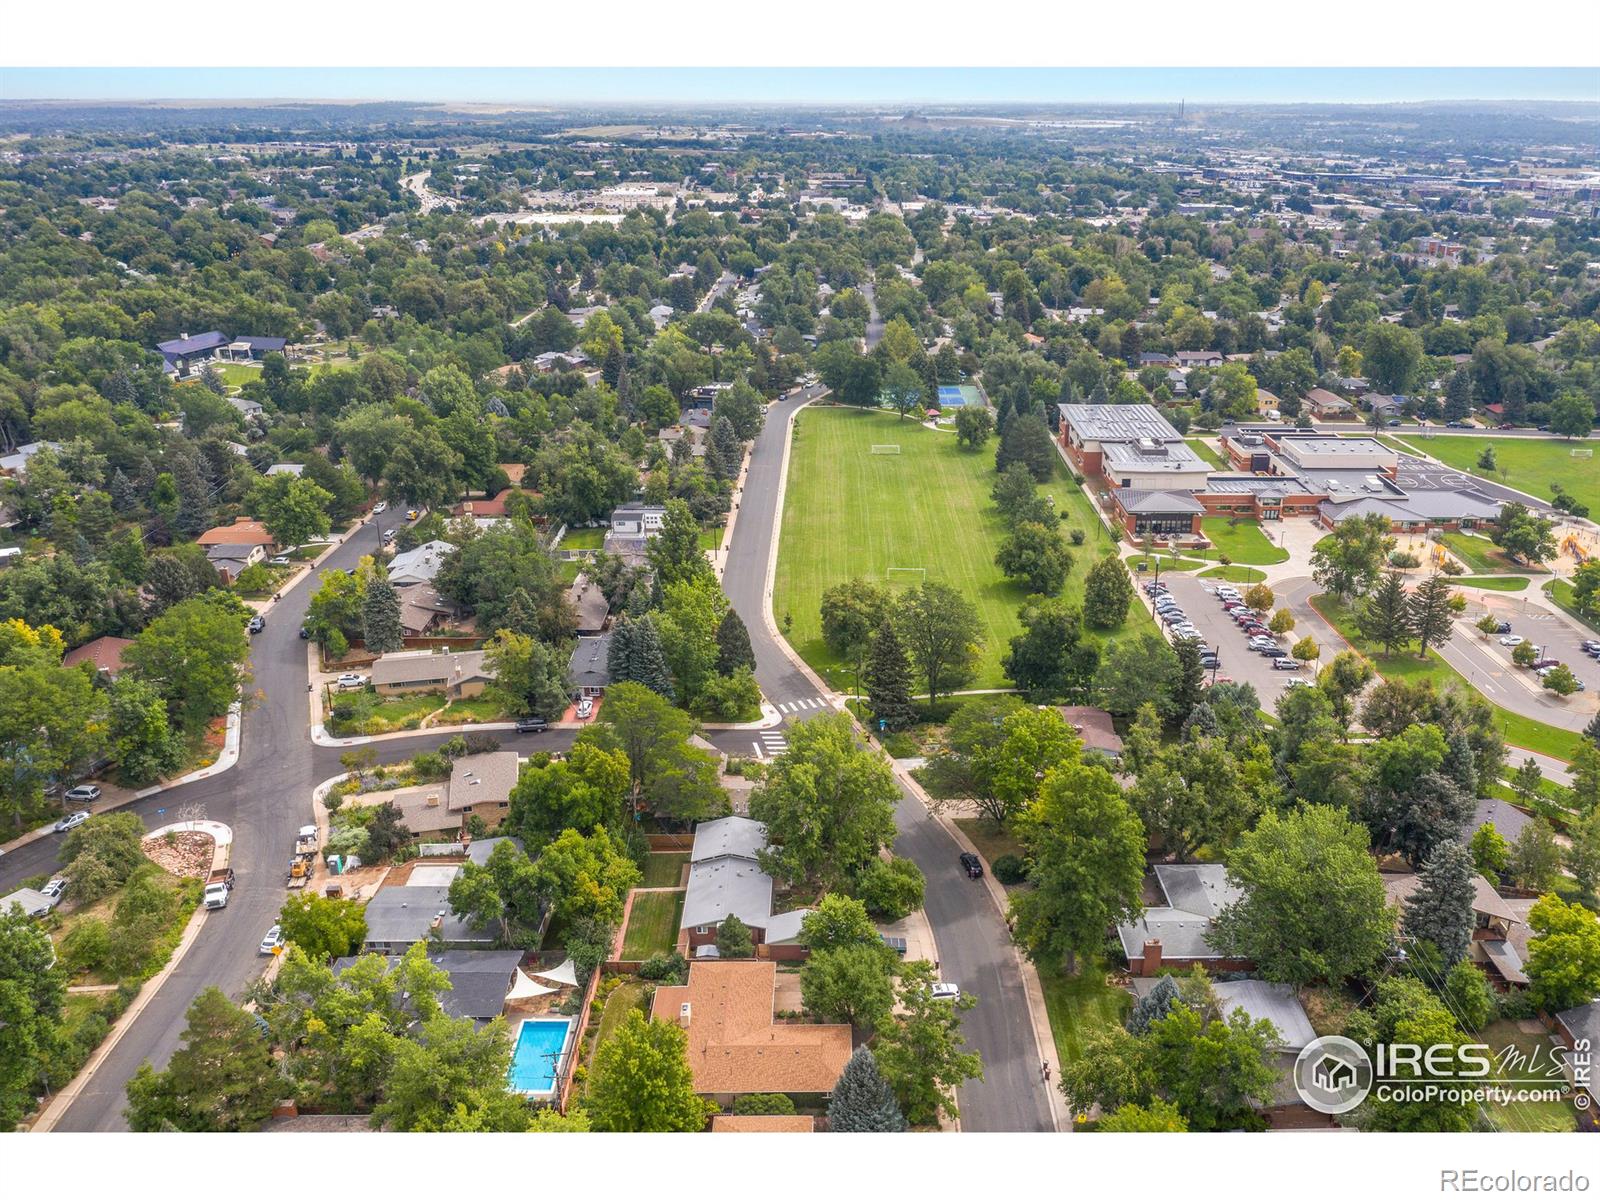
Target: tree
{"type": "Point", "coordinates": [324, 928]}
{"type": "Point", "coordinates": [891, 890]}
{"type": "Point", "coordinates": [1385, 615]}
{"type": "Point", "coordinates": [733, 645]}
{"type": "Point", "coordinates": [1523, 535]}
{"type": "Point", "coordinates": [902, 388]}
{"type": "Point", "coordinates": [1037, 557]}
{"type": "Point", "coordinates": [636, 655]}
{"type": "Point", "coordinates": [1525, 780]}
{"type": "Point", "coordinates": [862, 1100]}
{"type": "Point", "coordinates": [1050, 659]}
{"type": "Point", "coordinates": [733, 938]}
{"type": "Point", "coordinates": [1139, 671]}
{"type": "Point", "coordinates": [1217, 1071]}
{"type": "Point", "coordinates": [293, 509]}
{"type": "Point", "coordinates": [1535, 858]}
{"type": "Point", "coordinates": [450, 1074]}
{"type": "Point", "coordinates": [641, 1081]}
{"type": "Point", "coordinates": [1188, 682]}
{"type": "Point", "coordinates": [380, 617]}
{"type": "Point", "coordinates": [998, 751]}
{"type": "Point", "coordinates": [851, 613]}
{"type": "Point", "coordinates": [1429, 613]}
{"type": "Point", "coordinates": [529, 677]}
{"type": "Point", "coordinates": [887, 680]}
{"type": "Point", "coordinates": [1197, 793]}
{"type": "Point", "coordinates": [1158, 1117]}
{"type": "Point", "coordinates": [580, 877]}
{"type": "Point", "coordinates": [942, 635]}
{"type": "Point", "coordinates": [193, 655]}
{"type": "Point", "coordinates": [1392, 357]}
{"type": "Point", "coordinates": [1488, 625]}
{"type": "Point", "coordinates": [1348, 560]}
{"type": "Point", "coordinates": [1491, 853]}
{"type": "Point", "coordinates": [973, 426]}
{"type": "Point", "coordinates": [1306, 650]}
{"type": "Point", "coordinates": [828, 805]}
{"type": "Point", "coordinates": [1258, 597]}
{"type": "Point", "coordinates": [1107, 593]}
{"type": "Point", "coordinates": [671, 776]}
{"type": "Point", "coordinates": [1563, 954]}
{"type": "Point", "coordinates": [838, 921]}
{"type": "Point", "coordinates": [1440, 910]}
{"type": "Point", "coordinates": [1313, 906]}
{"type": "Point", "coordinates": [1017, 497]}
{"type": "Point", "coordinates": [1572, 415]}
{"type": "Point", "coordinates": [1407, 1012]}
{"type": "Point", "coordinates": [102, 853]}
{"type": "Point", "coordinates": [852, 984]}
{"type": "Point", "coordinates": [920, 1053]}
{"type": "Point", "coordinates": [1467, 994]}
{"type": "Point", "coordinates": [221, 1080]}
{"type": "Point", "coordinates": [1560, 680]}
{"type": "Point", "coordinates": [588, 788]}
{"type": "Point", "coordinates": [31, 994]}
{"type": "Point", "coordinates": [1025, 439]}
{"type": "Point", "coordinates": [1086, 863]}
{"type": "Point", "coordinates": [1282, 622]}
{"type": "Point", "coordinates": [1583, 852]}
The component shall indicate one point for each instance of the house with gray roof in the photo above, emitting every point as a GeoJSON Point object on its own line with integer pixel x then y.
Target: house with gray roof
{"type": "Point", "coordinates": [479, 980]}
{"type": "Point", "coordinates": [419, 564]}
{"type": "Point", "coordinates": [589, 605]}
{"type": "Point", "coordinates": [1177, 933]}
{"type": "Point", "coordinates": [458, 674]}
{"type": "Point", "coordinates": [589, 667]}
{"type": "Point", "coordinates": [399, 917]}
{"type": "Point", "coordinates": [726, 878]}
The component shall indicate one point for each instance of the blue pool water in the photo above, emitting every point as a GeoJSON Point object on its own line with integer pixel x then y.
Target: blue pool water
{"type": "Point", "coordinates": [539, 1051]}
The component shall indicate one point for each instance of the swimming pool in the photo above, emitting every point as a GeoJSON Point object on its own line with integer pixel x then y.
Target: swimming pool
{"type": "Point", "coordinates": [539, 1054]}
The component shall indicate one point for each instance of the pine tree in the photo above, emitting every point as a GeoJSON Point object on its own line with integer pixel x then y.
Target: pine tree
{"type": "Point", "coordinates": [621, 654]}
{"type": "Point", "coordinates": [380, 617]}
{"type": "Point", "coordinates": [1027, 441]}
{"type": "Point", "coordinates": [1440, 910]}
{"type": "Point", "coordinates": [733, 645]}
{"type": "Point", "coordinates": [727, 450]}
{"type": "Point", "coordinates": [1431, 618]}
{"type": "Point", "coordinates": [1385, 616]}
{"type": "Point", "coordinates": [887, 679]}
{"type": "Point", "coordinates": [862, 1101]}
{"type": "Point", "coordinates": [650, 660]}
{"type": "Point", "coordinates": [520, 616]}
{"type": "Point", "coordinates": [1152, 1006]}
{"type": "Point", "coordinates": [1592, 730]}
{"type": "Point", "coordinates": [123, 496]}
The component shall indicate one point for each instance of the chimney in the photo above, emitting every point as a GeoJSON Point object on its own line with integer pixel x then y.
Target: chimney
{"type": "Point", "coordinates": [433, 799]}
{"type": "Point", "coordinates": [683, 1014]}
{"type": "Point", "coordinates": [1152, 958]}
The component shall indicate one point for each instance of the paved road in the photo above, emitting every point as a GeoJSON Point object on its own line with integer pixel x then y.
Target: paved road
{"type": "Point", "coordinates": [874, 319]}
{"type": "Point", "coordinates": [723, 283]}
{"type": "Point", "coordinates": [974, 946]}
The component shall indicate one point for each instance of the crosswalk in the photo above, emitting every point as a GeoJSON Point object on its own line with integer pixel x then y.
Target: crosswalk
{"type": "Point", "coordinates": [795, 706]}
{"type": "Point", "coordinates": [771, 744]}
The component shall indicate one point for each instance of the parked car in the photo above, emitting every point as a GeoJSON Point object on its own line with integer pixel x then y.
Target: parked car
{"type": "Point", "coordinates": [54, 888]}
{"type": "Point", "coordinates": [1542, 665]}
{"type": "Point", "coordinates": [585, 709]}
{"type": "Point", "coordinates": [532, 724]}
{"type": "Point", "coordinates": [388, 536]}
{"type": "Point", "coordinates": [1455, 425]}
{"type": "Point", "coordinates": [1209, 661]}
{"type": "Point", "coordinates": [1590, 646]}
{"type": "Point", "coordinates": [1285, 664]}
{"type": "Point", "coordinates": [381, 506]}
{"type": "Point", "coordinates": [1273, 652]}
{"type": "Point", "coordinates": [72, 821]}
{"type": "Point", "coordinates": [350, 682]}
{"type": "Point", "coordinates": [971, 864]}
{"type": "Point", "coordinates": [279, 560]}
{"type": "Point", "coordinates": [84, 793]}
{"type": "Point", "coordinates": [273, 942]}
{"type": "Point", "coordinates": [411, 514]}
{"type": "Point", "coordinates": [1502, 627]}
{"type": "Point", "coordinates": [257, 623]}
{"type": "Point", "coordinates": [946, 991]}
{"type": "Point", "coordinates": [1512, 639]}
{"type": "Point", "coordinates": [1296, 683]}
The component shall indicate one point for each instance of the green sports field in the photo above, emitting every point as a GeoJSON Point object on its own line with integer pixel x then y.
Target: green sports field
{"type": "Point", "coordinates": [1532, 465]}
{"type": "Point", "coordinates": [849, 512]}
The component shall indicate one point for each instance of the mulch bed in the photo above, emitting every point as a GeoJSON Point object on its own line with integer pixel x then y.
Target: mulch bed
{"type": "Point", "coordinates": [187, 855]}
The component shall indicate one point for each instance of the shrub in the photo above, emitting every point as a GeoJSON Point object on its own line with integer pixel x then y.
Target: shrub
{"type": "Point", "coordinates": [664, 967]}
{"type": "Point", "coordinates": [429, 766]}
{"type": "Point", "coordinates": [1404, 559]}
{"type": "Point", "coordinates": [86, 946]}
{"type": "Point", "coordinates": [901, 745]}
{"type": "Point", "coordinates": [1077, 537]}
{"type": "Point", "coordinates": [733, 939]}
{"type": "Point", "coordinates": [1009, 868]}
{"type": "Point", "coordinates": [763, 1104]}
{"type": "Point", "coordinates": [1452, 567]}
{"type": "Point", "coordinates": [481, 743]}
{"type": "Point", "coordinates": [892, 889]}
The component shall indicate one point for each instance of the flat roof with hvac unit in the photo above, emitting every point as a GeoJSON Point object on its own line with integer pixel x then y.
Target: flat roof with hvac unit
{"type": "Point", "coordinates": [1118, 423]}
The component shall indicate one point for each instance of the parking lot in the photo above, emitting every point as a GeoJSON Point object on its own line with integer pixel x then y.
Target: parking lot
{"type": "Point", "coordinates": [1217, 630]}
{"type": "Point", "coordinates": [1557, 637]}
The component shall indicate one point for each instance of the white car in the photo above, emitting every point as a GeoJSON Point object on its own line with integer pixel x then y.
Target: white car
{"type": "Point", "coordinates": [279, 560]}
{"type": "Point", "coordinates": [350, 682]}
{"type": "Point", "coordinates": [84, 793]}
{"type": "Point", "coordinates": [72, 821]}
{"type": "Point", "coordinates": [273, 942]}
{"type": "Point", "coordinates": [1512, 639]}
{"type": "Point", "coordinates": [382, 506]}
{"type": "Point", "coordinates": [945, 991]}
{"type": "Point", "coordinates": [54, 888]}
{"type": "Point", "coordinates": [1296, 683]}
{"type": "Point", "coordinates": [585, 709]}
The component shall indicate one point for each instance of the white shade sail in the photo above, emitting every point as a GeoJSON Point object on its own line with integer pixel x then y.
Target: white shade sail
{"type": "Point", "coordinates": [524, 988]}
{"type": "Point", "coordinates": [566, 973]}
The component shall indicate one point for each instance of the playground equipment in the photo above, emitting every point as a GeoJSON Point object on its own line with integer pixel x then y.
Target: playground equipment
{"type": "Point", "coordinates": [1571, 545]}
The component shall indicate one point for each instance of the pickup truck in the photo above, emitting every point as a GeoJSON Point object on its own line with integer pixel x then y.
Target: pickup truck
{"type": "Point", "coordinates": [218, 887]}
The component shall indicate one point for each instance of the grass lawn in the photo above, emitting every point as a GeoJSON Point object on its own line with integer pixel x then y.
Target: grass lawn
{"type": "Point", "coordinates": [652, 925]}
{"type": "Point", "coordinates": [626, 998]}
{"type": "Point", "coordinates": [1242, 541]}
{"type": "Point", "coordinates": [479, 709]}
{"type": "Point", "coordinates": [1520, 731]}
{"type": "Point", "coordinates": [307, 552]}
{"type": "Point", "coordinates": [1078, 1005]}
{"type": "Point", "coordinates": [583, 539]}
{"type": "Point", "coordinates": [1207, 453]}
{"type": "Point", "coordinates": [1142, 562]}
{"type": "Point", "coordinates": [1479, 553]}
{"type": "Point", "coordinates": [1527, 1116]}
{"type": "Point", "coordinates": [663, 870]}
{"type": "Point", "coordinates": [990, 840]}
{"type": "Point", "coordinates": [711, 539]}
{"type": "Point", "coordinates": [1531, 465]}
{"type": "Point", "coordinates": [1560, 590]}
{"type": "Point", "coordinates": [381, 714]}
{"type": "Point", "coordinates": [237, 374]}
{"type": "Point", "coordinates": [1234, 574]}
{"type": "Point", "coordinates": [1492, 583]}
{"type": "Point", "coordinates": [851, 513]}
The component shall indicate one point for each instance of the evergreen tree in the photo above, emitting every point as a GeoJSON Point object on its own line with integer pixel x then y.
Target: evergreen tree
{"type": "Point", "coordinates": [1458, 396]}
{"type": "Point", "coordinates": [733, 645]}
{"type": "Point", "coordinates": [727, 449]}
{"type": "Point", "coordinates": [733, 938]}
{"type": "Point", "coordinates": [636, 656]}
{"type": "Point", "coordinates": [1440, 910]}
{"type": "Point", "coordinates": [1385, 616]}
{"type": "Point", "coordinates": [862, 1101]}
{"type": "Point", "coordinates": [1592, 729]}
{"type": "Point", "coordinates": [1152, 1006]}
{"type": "Point", "coordinates": [123, 495]}
{"type": "Point", "coordinates": [520, 616]}
{"type": "Point", "coordinates": [194, 496]}
{"type": "Point", "coordinates": [380, 617]}
{"type": "Point", "coordinates": [887, 679]}
{"type": "Point", "coordinates": [675, 554]}
{"type": "Point", "coordinates": [1431, 617]}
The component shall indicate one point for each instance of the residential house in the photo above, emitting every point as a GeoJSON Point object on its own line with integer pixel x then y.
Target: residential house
{"type": "Point", "coordinates": [1322, 405]}
{"type": "Point", "coordinates": [295, 469]}
{"type": "Point", "coordinates": [726, 879]}
{"type": "Point", "coordinates": [400, 916]}
{"type": "Point", "coordinates": [419, 564]}
{"type": "Point", "coordinates": [460, 675]}
{"type": "Point", "coordinates": [488, 511]}
{"type": "Point", "coordinates": [105, 653]}
{"type": "Point", "coordinates": [248, 409]}
{"type": "Point", "coordinates": [480, 980]}
{"type": "Point", "coordinates": [1198, 358]}
{"type": "Point", "coordinates": [243, 532]}
{"type": "Point", "coordinates": [1177, 932]}
{"type": "Point", "coordinates": [1386, 407]}
{"type": "Point", "coordinates": [16, 463]}
{"type": "Point", "coordinates": [637, 520]}
{"type": "Point", "coordinates": [1579, 1032]}
{"type": "Point", "coordinates": [1157, 358]}
{"type": "Point", "coordinates": [1494, 928]}
{"type": "Point", "coordinates": [1094, 728]}
{"type": "Point", "coordinates": [589, 667]}
{"type": "Point", "coordinates": [423, 610]}
{"type": "Point", "coordinates": [589, 605]}
{"type": "Point", "coordinates": [737, 1045]}
{"type": "Point", "coordinates": [231, 560]}
{"type": "Point", "coordinates": [184, 352]}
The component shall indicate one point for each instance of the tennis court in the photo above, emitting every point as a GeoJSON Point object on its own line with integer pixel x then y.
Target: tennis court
{"type": "Point", "coordinates": [959, 396]}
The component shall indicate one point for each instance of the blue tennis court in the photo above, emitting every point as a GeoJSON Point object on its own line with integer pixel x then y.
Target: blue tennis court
{"type": "Point", "coordinates": [962, 396]}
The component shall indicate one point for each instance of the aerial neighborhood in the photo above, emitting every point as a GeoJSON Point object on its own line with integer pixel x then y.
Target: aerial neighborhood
{"type": "Point", "coordinates": [798, 621]}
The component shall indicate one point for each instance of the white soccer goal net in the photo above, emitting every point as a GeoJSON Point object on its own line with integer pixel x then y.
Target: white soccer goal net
{"type": "Point", "coordinates": [907, 576]}
{"type": "Point", "coordinates": [894, 449]}
{"type": "Point", "coordinates": [1576, 453]}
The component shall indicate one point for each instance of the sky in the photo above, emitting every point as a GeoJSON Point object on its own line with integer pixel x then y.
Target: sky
{"type": "Point", "coordinates": [798, 85]}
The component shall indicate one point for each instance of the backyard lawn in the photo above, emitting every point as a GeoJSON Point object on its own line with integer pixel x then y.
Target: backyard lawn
{"type": "Point", "coordinates": [1520, 731]}
{"type": "Point", "coordinates": [626, 998]}
{"type": "Point", "coordinates": [1479, 553]}
{"type": "Point", "coordinates": [369, 713]}
{"type": "Point", "coordinates": [663, 870]}
{"type": "Point", "coordinates": [1207, 453]}
{"type": "Point", "coordinates": [1531, 465]}
{"type": "Point", "coordinates": [1527, 1116]}
{"type": "Point", "coordinates": [1078, 1005]}
{"type": "Point", "coordinates": [652, 925]}
{"type": "Point", "coordinates": [1242, 541]}
{"type": "Point", "coordinates": [896, 519]}
{"type": "Point", "coordinates": [583, 539]}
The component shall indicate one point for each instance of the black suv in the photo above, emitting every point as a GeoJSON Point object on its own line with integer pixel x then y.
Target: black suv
{"type": "Point", "coordinates": [972, 865]}
{"type": "Point", "coordinates": [1503, 627]}
{"type": "Point", "coordinates": [532, 724]}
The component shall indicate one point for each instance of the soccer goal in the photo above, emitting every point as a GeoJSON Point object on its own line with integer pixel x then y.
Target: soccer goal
{"type": "Point", "coordinates": [907, 576]}
{"type": "Point", "coordinates": [888, 449]}
{"type": "Point", "coordinates": [1576, 453]}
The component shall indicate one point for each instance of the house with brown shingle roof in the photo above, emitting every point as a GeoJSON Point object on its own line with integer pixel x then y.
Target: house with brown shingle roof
{"type": "Point", "coordinates": [243, 532]}
{"type": "Point", "coordinates": [104, 652]}
{"type": "Point", "coordinates": [736, 1044]}
{"type": "Point", "coordinates": [728, 1123]}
